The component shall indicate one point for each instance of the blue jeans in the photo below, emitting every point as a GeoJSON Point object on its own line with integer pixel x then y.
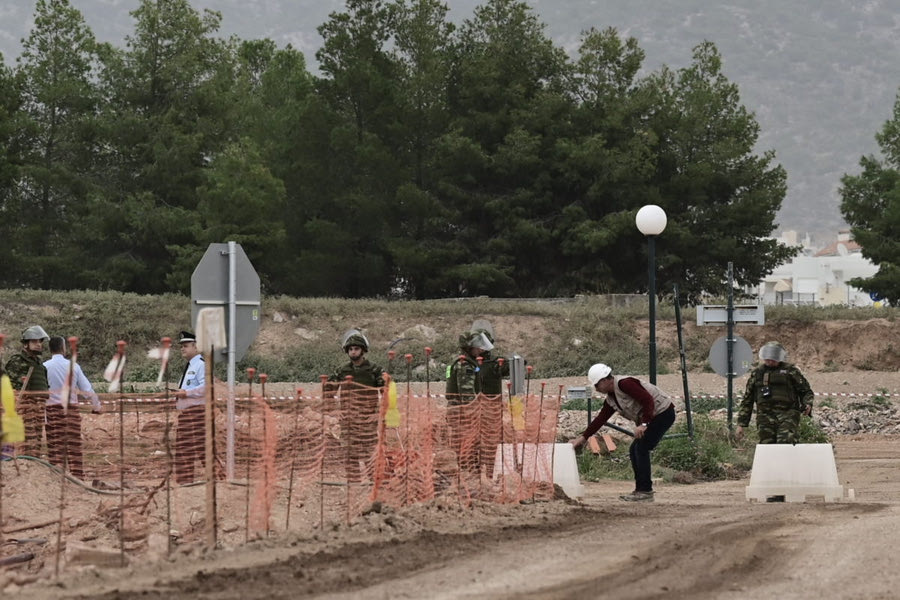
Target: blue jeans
{"type": "Point", "coordinates": [640, 448]}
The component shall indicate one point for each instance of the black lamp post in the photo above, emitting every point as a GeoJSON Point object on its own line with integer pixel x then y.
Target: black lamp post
{"type": "Point", "coordinates": [651, 221]}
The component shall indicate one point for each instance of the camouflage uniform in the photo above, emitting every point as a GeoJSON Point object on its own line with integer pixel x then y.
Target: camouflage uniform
{"type": "Point", "coordinates": [474, 427]}
{"type": "Point", "coordinates": [359, 412]}
{"type": "Point", "coordinates": [464, 381]}
{"type": "Point", "coordinates": [31, 406]}
{"type": "Point", "coordinates": [364, 374]}
{"type": "Point", "coordinates": [778, 412]}
{"type": "Point", "coordinates": [491, 372]}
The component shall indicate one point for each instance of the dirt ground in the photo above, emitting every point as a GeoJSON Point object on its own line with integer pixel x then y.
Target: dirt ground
{"type": "Point", "coordinates": [696, 541]}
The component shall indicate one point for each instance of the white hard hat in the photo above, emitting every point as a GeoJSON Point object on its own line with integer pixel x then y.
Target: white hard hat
{"type": "Point", "coordinates": [598, 372]}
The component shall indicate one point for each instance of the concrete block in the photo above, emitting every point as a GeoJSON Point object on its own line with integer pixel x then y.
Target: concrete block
{"type": "Point", "coordinates": [533, 462]}
{"type": "Point", "coordinates": [794, 471]}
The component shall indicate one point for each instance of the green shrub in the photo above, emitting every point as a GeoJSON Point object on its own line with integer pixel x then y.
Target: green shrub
{"type": "Point", "coordinates": [615, 465]}
{"type": "Point", "coordinates": [811, 433]}
{"type": "Point", "coordinates": [704, 404]}
{"type": "Point", "coordinates": [710, 455]}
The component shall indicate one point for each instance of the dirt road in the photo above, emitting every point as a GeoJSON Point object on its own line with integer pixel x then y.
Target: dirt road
{"type": "Point", "coordinates": [695, 541]}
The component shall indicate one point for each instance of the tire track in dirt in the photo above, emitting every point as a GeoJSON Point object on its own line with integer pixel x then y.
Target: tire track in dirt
{"type": "Point", "coordinates": [353, 567]}
{"type": "Point", "coordinates": [711, 559]}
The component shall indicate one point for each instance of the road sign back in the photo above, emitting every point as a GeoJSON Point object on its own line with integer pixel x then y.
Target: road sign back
{"type": "Point", "coordinates": [210, 288]}
{"type": "Point", "coordinates": [742, 359]}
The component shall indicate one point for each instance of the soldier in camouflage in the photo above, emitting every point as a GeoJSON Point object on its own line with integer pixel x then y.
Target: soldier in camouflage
{"type": "Point", "coordinates": [355, 345]}
{"type": "Point", "coordinates": [492, 372]}
{"type": "Point", "coordinates": [27, 363]}
{"type": "Point", "coordinates": [359, 403]}
{"type": "Point", "coordinates": [465, 381]}
{"type": "Point", "coordinates": [465, 378]}
{"type": "Point", "coordinates": [781, 394]}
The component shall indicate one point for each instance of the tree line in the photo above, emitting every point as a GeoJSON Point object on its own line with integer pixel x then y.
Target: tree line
{"type": "Point", "coordinates": [426, 159]}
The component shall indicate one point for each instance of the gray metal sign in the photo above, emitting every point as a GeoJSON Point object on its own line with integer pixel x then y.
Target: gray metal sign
{"type": "Point", "coordinates": [717, 314]}
{"type": "Point", "coordinates": [517, 375]}
{"type": "Point", "coordinates": [742, 358]}
{"type": "Point", "coordinates": [211, 286]}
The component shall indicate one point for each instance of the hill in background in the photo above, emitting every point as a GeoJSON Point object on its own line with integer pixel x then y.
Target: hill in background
{"type": "Point", "coordinates": [299, 337]}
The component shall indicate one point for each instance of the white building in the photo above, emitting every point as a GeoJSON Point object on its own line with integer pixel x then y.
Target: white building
{"type": "Point", "coordinates": [819, 278]}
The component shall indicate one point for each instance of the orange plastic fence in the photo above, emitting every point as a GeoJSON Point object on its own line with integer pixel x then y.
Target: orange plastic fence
{"type": "Point", "coordinates": [301, 461]}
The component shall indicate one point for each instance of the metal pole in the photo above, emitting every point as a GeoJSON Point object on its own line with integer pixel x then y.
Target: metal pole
{"type": "Point", "coordinates": [232, 320]}
{"type": "Point", "coordinates": [729, 344]}
{"type": "Point", "coordinates": [651, 273]}
{"type": "Point", "coordinates": [684, 377]}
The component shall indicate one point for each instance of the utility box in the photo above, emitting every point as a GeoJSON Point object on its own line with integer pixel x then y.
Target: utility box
{"type": "Point", "coordinates": [576, 393]}
{"type": "Point", "coordinates": [517, 375]}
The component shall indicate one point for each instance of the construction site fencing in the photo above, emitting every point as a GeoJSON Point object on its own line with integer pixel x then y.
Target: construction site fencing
{"type": "Point", "coordinates": [300, 463]}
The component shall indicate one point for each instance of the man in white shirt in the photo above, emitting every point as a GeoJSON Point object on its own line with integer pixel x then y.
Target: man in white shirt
{"type": "Point", "coordinates": [63, 424]}
{"type": "Point", "coordinates": [190, 428]}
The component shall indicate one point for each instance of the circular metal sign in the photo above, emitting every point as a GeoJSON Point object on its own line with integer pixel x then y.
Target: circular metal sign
{"type": "Point", "coordinates": [742, 358]}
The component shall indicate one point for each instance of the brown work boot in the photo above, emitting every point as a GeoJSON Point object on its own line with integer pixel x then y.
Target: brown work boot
{"type": "Point", "coordinates": [637, 496]}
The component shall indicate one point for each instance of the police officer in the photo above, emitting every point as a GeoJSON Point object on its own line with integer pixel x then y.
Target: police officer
{"type": "Point", "coordinates": [781, 394]}
{"type": "Point", "coordinates": [190, 403]}
{"type": "Point", "coordinates": [27, 363]}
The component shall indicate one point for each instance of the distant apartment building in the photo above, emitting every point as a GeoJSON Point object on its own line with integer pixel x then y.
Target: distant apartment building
{"type": "Point", "coordinates": [819, 277]}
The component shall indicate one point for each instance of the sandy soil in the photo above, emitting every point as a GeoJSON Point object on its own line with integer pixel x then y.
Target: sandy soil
{"type": "Point", "coordinates": [696, 541]}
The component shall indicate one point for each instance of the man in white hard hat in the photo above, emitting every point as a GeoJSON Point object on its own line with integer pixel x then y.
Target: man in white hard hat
{"type": "Point", "coordinates": [652, 411]}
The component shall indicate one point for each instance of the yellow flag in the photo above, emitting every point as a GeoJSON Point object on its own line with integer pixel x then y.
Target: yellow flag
{"type": "Point", "coordinates": [517, 411]}
{"type": "Point", "coordinates": [392, 416]}
{"type": "Point", "coordinates": [13, 427]}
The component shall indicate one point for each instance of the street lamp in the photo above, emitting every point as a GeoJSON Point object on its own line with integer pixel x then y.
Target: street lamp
{"type": "Point", "coordinates": [651, 221]}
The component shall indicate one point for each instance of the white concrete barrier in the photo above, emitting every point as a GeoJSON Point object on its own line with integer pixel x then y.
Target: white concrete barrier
{"type": "Point", "coordinates": [533, 462]}
{"type": "Point", "coordinates": [794, 471]}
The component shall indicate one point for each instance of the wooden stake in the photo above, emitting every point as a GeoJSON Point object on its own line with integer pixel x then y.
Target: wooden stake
{"type": "Point", "coordinates": [211, 525]}
{"type": "Point", "coordinates": [287, 519]}
{"type": "Point", "coordinates": [251, 373]}
{"type": "Point", "coordinates": [323, 378]}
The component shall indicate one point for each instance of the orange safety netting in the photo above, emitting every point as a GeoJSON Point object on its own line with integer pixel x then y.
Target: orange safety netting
{"type": "Point", "coordinates": [301, 461]}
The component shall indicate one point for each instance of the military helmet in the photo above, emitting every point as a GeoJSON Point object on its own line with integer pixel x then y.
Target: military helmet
{"type": "Point", "coordinates": [484, 326]}
{"type": "Point", "coordinates": [476, 339]}
{"type": "Point", "coordinates": [773, 351]}
{"type": "Point", "coordinates": [464, 340]}
{"type": "Point", "coordinates": [354, 337]}
{"type": "Point", "coordinates": [35, 332]}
